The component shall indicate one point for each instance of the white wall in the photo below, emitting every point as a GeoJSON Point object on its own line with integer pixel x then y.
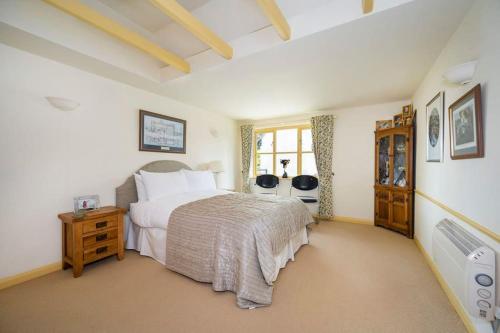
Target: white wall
{"type": "Point", "coordinates": [468, 186]}
{"type": "Point", "coordinates": [353, 154]}
{"type": "Point", "coordinates": [49, 156]}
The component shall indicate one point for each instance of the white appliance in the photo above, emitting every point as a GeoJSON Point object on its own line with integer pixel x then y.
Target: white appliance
{"type": "Point", "coordinates": [468, 265]}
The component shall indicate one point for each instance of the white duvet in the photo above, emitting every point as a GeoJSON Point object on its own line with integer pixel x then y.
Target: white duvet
{"type": "Point", "coordinates": [156, 213]}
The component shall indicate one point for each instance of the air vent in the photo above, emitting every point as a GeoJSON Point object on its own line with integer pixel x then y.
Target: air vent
{"type": "Point", "coordinates": [462, 239]}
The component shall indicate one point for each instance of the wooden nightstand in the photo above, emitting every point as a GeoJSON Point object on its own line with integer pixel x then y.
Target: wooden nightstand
{"type": "Point", "coordinates": [97, 235]}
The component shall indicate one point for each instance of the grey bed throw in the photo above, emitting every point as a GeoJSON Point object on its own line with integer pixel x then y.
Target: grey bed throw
{"type": "Point", "coordinates": [231, 240]}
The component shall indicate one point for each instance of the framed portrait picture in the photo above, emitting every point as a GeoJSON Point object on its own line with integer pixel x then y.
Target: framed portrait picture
{"type": "Point", "coordinates": [398, 120]}
{"type": "Point", "coordinates": [160, 133]}
{"type": "Point", "coordinates": [435, 128]}
{"type": "Point", "coordinates": [85, 203]}
{"type": "Point", "coordinates": [383, 124]}
{"type": "Point", "coordinates": [466, 126]}
{"type": "Point", "coordinates": [407, 111]}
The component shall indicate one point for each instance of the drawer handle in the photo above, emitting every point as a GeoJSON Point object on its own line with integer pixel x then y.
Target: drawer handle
{"type": "Point", "coordinates": [103, 224]}
{"type": "Point", "coordinates": [102, 237]}
{"type": "Point", "coordinates": [101, 249]}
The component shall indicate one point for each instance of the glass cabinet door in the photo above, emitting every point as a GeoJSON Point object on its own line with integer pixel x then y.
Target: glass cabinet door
{"type": "Point", "coordinates": [383, 160]}
{"type": "Point", "coordinates": [400, 149]}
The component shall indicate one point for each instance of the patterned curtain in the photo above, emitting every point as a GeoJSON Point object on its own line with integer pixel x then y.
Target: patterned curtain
{"type": "Point", "coordinates": [246, 155]}
{"type": "Point", "coordinates": [322, 135]}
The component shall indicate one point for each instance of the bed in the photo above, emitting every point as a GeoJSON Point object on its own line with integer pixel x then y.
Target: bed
{"type": "Point", "coordinates": [234, 241]}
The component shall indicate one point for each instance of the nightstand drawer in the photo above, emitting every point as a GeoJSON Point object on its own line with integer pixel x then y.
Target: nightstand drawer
{"type": "Point", "coordinates": [101, 251]}
{"type": "Point", "coordinates": [97, 239]}
{"type": "Point", "coordinates": [100, 224]}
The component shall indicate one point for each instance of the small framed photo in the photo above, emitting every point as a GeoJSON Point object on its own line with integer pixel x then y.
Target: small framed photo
{"type": "Point", "coordinates": [160, 133]}
{"type": "Point", "coordinates": [466, 126]}
{"type": "Point", "coordinates": [383, 124]}
{"type": "Point", "coordinates": [435, 128]}
{"type": "Point", "coordinates": [407, 111]}
{"type": "Point", "coordinates": [85, 203]}
{"type": "Point", "coordinates": [398, 120]}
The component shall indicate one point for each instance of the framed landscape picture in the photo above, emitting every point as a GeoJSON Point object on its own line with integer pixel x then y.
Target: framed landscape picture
{"type": "Point", "coordinates": [160, 133]}
{"type": "Point", "coordinates": [466, 126]}
{"type": "Point", "coordinates": [435, 128]}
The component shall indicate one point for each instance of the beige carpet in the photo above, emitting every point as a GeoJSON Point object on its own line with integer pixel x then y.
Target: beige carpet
{"type": "Point", "coordinates": [351, 278]}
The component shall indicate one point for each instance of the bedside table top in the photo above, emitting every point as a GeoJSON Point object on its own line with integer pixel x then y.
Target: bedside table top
{"type": "Point", "coordinates": [103, 211]}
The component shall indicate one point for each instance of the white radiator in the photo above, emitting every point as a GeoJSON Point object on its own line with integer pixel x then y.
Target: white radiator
{"type": "Point", "coordinates": [468, 266]}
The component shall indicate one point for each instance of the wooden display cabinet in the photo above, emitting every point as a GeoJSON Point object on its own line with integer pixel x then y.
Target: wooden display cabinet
{"type": "Point", "coordinates": [394, 179]}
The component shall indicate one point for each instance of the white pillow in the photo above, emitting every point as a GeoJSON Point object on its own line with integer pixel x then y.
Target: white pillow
{"type": "Point", "coordinates": [165, 183]}
{"type": "Point", "coordinates": [141, 189]}
{"type": "Point", "coordinates": [199, 180]}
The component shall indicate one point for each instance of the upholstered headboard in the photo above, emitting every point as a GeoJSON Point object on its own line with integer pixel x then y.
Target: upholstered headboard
{"type": "Point", "coordinates": [127, 192]}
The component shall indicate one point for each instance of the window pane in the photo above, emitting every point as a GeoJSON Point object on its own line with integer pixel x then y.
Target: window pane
{"type": "Point", "coordinates": [307, 141]}
{"type": "Point", "coordinates": [309, 164]}
{"type": "Point", "coordinates": [291, 168]}
{"type": "Point", "coordinates": [286, 140]}
{"type": "Point", "coordinates": [264, 142]}
{"type": "Point", "coordinates": [264, 164]}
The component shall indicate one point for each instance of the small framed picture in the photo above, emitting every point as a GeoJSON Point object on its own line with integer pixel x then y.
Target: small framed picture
{"type": "Point", "coordinates": [398, 120]}
{"type": "Point", "coordinates": [466, 126]}
{"type": "Point", "coordinates": [383, 124]}
{"type": "Point", "coordinates": [85, 203]}
{"type": "Point", "coordinates": [407, 111]}
{"type": "Point", "coordinates": [435, 128]}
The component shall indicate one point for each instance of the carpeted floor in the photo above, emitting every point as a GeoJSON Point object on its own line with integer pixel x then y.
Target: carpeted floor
{"type": "Point", "coordinates": [351, 278]}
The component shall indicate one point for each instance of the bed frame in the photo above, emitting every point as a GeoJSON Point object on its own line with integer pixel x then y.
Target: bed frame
{"type": "Point", "coordinates": [127, 192]}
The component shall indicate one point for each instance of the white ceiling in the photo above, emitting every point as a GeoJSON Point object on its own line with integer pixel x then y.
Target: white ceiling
{"type": "Point", "coordinates": [145, 14]}
{"type": "Point", "coordinates": [336, 57]}
{"type": "Point", "coordinates": [380, 58]}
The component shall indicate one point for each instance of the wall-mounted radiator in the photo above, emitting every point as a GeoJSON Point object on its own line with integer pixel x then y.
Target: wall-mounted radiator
{"type": "Point", "coordinates": [468, 265]}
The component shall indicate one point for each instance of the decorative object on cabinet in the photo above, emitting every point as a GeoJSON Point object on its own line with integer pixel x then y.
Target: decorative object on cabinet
{"type": "Point", "coordinates": [84, 204]}
{"type": "Point", "coordinates": [435, 128]}
{"type": "Point", "coordinates": [466, 126]}
{"type": "Point", "coordinates": [160, 133]}
{"type": "Point", "coordinates": [98, 235]}
{"type": "Point", "coordinates": [284, 163]}
{"type": "Point", "coordinates": [383, 124]}
{"type": "Point", "coordinates": [398, 120]}
{"type": "Point", "coordinates": [394, 179]}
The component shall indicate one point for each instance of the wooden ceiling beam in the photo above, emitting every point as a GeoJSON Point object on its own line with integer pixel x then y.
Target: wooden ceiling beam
{"type": "Point", "coordinates": [367, 6]}
{"type": "Point", "coordinates": [87, 14]}
{"type": "Point", "coordinates": [184, 18]}
{"type": "Point", "coordinates": [276, 17]}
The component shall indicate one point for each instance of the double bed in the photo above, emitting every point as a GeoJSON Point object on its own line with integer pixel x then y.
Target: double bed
{"type": "Point", "coordinates": [235, 241]}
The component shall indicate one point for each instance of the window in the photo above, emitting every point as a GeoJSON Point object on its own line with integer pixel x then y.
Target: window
{"type": "Point", "coordinates": [294, 143]}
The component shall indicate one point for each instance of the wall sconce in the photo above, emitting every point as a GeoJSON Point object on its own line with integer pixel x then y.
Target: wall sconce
{"type": "Point", "coordinates": [461, 74]}
{"type": "Point", "coordinates": [62, 104]}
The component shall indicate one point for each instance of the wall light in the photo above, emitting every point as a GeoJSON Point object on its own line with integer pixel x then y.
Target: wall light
{"type": "Point", "coordinates": [461, 74]}
{"type": "Point", "coordinates": [62, 104]}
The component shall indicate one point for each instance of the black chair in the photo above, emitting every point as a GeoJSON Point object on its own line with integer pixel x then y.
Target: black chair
{"type": "Point", "coordinates": [305, 183]}
{"type": "Point", "coordinates": [267, 182]}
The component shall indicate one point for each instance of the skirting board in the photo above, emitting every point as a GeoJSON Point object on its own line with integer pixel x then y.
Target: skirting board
{"type": "Point", "coordinates": [462, 313]}
{"type": "Point", "coordinates": [10, 281]}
